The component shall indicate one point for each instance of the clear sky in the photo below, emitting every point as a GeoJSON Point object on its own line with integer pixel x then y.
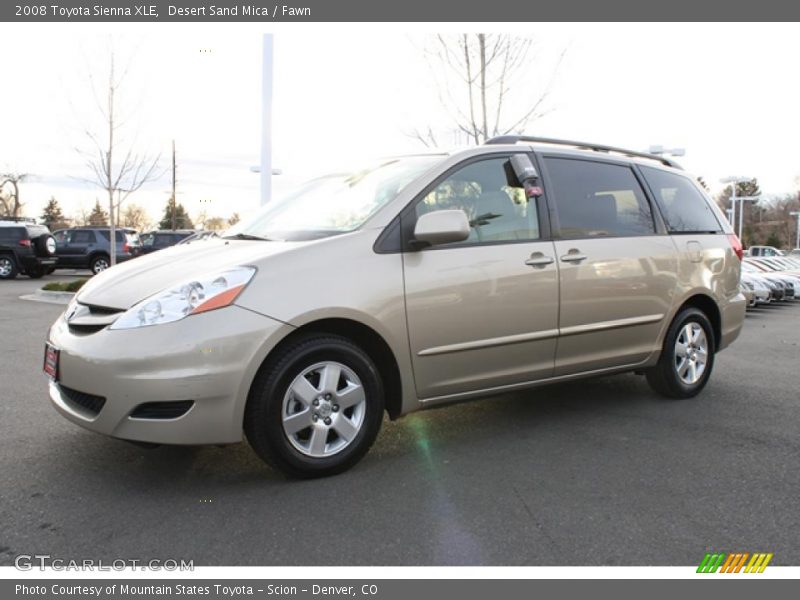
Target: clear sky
{"type": "Point", "coordinates": [728, 94]}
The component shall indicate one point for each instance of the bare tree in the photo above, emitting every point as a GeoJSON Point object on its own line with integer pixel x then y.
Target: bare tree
{"type": "Point", "coordinates": [136, 217]}
{"type": "Point", "coordinates": [11, 205]}
{"type": "Point", "coordinates": [114, 164]}
{"type": "Point", "coordinates": [476, 76]}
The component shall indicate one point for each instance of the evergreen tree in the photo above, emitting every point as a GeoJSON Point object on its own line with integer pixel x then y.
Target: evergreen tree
{"type": "Point", "coordinates": [743, 188]}
{"type": "Point", "coordinates": [773, 240]}
{"type": "Point", "coordinates": [182, 219]}
{"type": "Point", "coordinates": [53, 217]}
{"type": "Point", "coordinates": [98, 217]}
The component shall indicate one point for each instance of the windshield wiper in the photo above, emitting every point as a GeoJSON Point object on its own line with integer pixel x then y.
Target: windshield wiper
{"type": "Point", "coordinates": [246, 236]}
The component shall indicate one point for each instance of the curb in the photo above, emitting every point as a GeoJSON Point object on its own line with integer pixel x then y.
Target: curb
{"type": "Point", "coordinates": [50, 297]}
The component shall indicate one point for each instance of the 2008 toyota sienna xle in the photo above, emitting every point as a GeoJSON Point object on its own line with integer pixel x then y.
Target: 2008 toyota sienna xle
{"type": "Point", "coordinates": [418, 281]}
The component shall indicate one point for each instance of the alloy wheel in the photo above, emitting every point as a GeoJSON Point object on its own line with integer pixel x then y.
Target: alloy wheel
{"type": "Point", "coordinates": [6, 266]}
{"type": "Point", "coordinates": [323, 409]}
{"type": "Point", "coordinates": [691, 353]}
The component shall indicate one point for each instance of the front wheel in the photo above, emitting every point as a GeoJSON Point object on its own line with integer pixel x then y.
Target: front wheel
{"type": "Point", "coordinates": [687, 356]}
{"type": "Point", "coordinates": [316, 407]}
{"type": "Point", "coordinates": [8, 267]}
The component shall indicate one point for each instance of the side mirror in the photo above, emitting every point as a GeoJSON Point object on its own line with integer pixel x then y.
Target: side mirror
{"type": "Point", "coordinates": [441, 227]}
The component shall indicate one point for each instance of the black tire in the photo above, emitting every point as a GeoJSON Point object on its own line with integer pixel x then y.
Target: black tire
{"type": "Point", "coordinates": [40, 243]}
{"type": "Point", "coordinates": [664, 377]}
{"type": "Point", "coordinates": [8, 267]}
{"type": "Point", "coordinates": [99, 263]}
{"type": "Point", "coordinates": [51, 270]}
{"type": "Point", "coordinates": [37, 272]}
{"type": "Point", "coordinates": [263, 420]}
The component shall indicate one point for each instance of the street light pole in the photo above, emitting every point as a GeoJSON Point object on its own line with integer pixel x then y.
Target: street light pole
{"type": "Point", "coordinates": [734, 181]}
{"type": "Point", "coordinates": [797, 238]}
{"type": "Point", "coordinates": [742, 200]}
{"type": "Point", "coordinates": [266, 119]}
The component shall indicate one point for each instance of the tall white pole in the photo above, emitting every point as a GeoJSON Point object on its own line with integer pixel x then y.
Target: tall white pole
{"type": "Point", "coordinates": [733, 206]}
{"type": "Point", "coordinates": [797, 235]}
{"type": "Point", "coordinates": [266, 120]}
{"type": "Point", "coordinates": [741, 217]}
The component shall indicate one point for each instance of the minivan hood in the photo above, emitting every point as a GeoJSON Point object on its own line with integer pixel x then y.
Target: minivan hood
{"type": "Point", "coordinates": [134, 280]}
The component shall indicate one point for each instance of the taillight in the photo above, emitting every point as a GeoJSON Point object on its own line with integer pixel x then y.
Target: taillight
{"type": "Point", "coordinates": [736, 245]}
{"type": "Point", "coordinates": [125, 247]}
{"type": "Point", "coordinates": [26, 243]}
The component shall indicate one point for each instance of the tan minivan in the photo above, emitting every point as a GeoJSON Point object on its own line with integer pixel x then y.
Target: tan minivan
{"type": "Point", "coordinates": [417, 281]}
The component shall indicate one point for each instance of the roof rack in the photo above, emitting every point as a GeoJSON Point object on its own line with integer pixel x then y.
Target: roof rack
{"type": "Point", "coordinates": [19, 219]}
{"type": "Point", "coordinates": [513, 139]}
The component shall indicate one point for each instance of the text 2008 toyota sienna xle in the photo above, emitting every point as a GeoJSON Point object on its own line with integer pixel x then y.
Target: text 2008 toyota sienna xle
{"type": "Point", "coordinates": [418, 281]}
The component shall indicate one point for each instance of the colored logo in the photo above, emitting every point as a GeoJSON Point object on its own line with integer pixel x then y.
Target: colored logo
{"type": "Point", "coordinates": [735, 562]}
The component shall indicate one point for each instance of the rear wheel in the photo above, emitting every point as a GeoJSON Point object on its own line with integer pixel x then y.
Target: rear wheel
{"type": "Point", "coordinates": [37, 272]}
{"type": "Point", "coordinates": [316, 407]}
{"type": "Point", "coordinates": [687, 356]}
{"type": "Point", "coordinates": [8, 267]}
{"type": "Point", "coordinates": [99, 264]}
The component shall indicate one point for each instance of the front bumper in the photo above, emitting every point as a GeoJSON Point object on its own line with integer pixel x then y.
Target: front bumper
{"type": "Point", "coordinates": [209, 359]}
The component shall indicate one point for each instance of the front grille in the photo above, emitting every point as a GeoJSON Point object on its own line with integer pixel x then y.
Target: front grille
{"type": "Point", "coordinates": [91, 318]}
{"type": "Point", "coordinates": [88, 402]}
{"type": "Point", "coordinates": [162, 410]}
{"type": "Point", "coordinates": [75, 328]}
{"type": "Point", "coordinates": [96, 309]}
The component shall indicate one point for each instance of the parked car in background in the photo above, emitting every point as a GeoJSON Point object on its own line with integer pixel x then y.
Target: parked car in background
{"type": "Point", "coordinates": [90, 247]}
{"type": "Point", "coordinates": [790, 280]}
{"type": "Point", "coordinates": [200, 236]}
{"type": "Point", "coordinates": [414, 282]}
{"type": "Point", "coordinates": [160, 239]}
{"type": "Point", "coordinates": [26, 248]}
{"type": "Point", "coordinates": [762, 291]}
{"type": "Point", "coordinates": [764, 251]}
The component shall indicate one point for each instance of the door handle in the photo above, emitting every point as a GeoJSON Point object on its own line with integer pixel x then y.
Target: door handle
{"type": "Point", "coordinates": [538, 259]}
{"type": "Point", "coordinates": [573, 255]}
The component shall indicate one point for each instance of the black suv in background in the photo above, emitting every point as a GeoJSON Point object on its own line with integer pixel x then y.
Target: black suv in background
{"type": "Point", "coordinates": [90, 247]}
{"type": "Point", "coordinates": [158, 240]}
{"type": "Point", "coordinates": [25, 247]}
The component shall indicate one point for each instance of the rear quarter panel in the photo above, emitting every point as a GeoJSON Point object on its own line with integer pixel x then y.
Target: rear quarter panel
{"type": "Point", "coordinates": [708, 266]}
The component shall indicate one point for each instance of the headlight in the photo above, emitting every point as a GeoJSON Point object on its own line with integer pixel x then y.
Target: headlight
{"type": "Point", "coordinates": [188, 298]}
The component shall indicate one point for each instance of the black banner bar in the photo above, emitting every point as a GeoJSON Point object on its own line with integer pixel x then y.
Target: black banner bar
{"type": "Point", "coordinates": [494, 11]}
{"type": "Point", "coordinates": [730, 588]}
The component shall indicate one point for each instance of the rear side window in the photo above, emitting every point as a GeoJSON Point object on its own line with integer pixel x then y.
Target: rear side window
{"type": "Point", "coordinates": [10, 235]}
{"type": "Point", "coordinates": [118, 235]}
{"type": "Point", "coordinates": [80, 236]}
{"type": "Point", "coordinates": [596, 199]}
{"type": "Point", "coordinates": [684, 208]}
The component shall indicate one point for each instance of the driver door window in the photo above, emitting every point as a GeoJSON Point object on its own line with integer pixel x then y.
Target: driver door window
{"type": "Point", "coordinates": [493, 200]}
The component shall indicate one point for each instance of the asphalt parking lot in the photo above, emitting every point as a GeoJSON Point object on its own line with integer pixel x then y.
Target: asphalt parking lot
{"type": "Point", "coordinates": [599, 472]}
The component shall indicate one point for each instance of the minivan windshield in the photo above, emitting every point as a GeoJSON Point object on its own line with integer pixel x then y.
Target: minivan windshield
{"type": "Point", "coordinates": [332, 204]}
